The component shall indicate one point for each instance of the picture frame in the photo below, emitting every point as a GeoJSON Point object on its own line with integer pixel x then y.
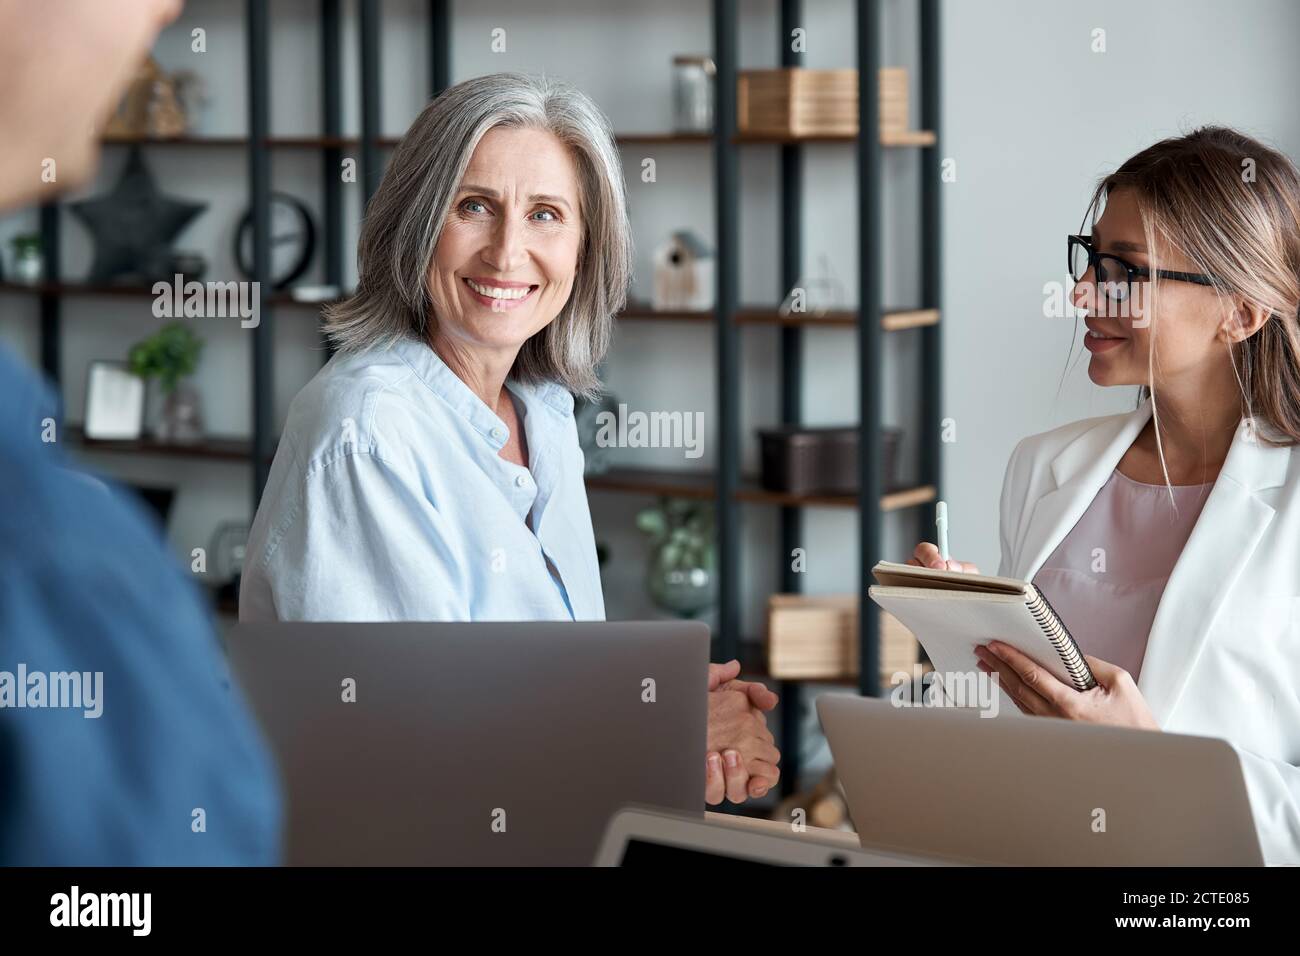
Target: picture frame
{"type": "Point", "coordinates": [115, 399]}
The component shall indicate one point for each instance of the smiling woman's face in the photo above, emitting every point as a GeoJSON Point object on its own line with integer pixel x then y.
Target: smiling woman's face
{"type": "Point", "coordinates": [1188, 320]}
{"type": "Point", "coordinates": [506, 259]}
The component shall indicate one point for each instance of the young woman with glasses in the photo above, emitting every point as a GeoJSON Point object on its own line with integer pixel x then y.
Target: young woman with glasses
{"type": "Point", "coordinates": [1168, 538]}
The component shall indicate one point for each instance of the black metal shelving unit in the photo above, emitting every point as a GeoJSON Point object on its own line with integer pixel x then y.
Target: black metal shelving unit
{"type": "Point", "coordinates": [331, 173]}
{"type": "Point", "coordinates": [791, 518]}
{"type": "Point", "coordinates": [727, 487]}
{"type": "Point", "coordinates": [259, 194]}
{"type": "Point", "coordinates": [870, 322]}
{"type": "Point", "coordinates": [726, 189]}
{"type": "Point", "coordinates": [870, 341]}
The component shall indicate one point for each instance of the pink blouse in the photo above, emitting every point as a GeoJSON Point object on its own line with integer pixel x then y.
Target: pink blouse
{"type": "Point", "coordinates": [1106, 577]}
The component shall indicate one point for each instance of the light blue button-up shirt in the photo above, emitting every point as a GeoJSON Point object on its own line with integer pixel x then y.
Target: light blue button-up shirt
{"type": "Point", "coordinates": [388, 501]}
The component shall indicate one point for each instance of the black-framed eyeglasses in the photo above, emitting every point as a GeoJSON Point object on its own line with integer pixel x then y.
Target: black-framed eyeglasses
{"type": "Point", "coordinates": [1115, 275]}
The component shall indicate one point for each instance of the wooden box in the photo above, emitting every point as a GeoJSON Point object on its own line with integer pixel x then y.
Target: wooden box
{"type": "Point", "coordinates": [816, 637]}
{"type": "Point", "coordinates": [799, 460]}
{"type": "Point", "coordinates": [796, 102]}
{"type": "Point", "coordinates": [893, 99]}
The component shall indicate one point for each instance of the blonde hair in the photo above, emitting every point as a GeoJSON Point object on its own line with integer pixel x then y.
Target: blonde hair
{"type": "Point", "coordinates": [405, 218]}
{"type": "Point", "coordinates": [1231, 205]}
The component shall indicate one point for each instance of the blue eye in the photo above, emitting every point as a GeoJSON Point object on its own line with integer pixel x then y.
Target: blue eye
{"type": "Point", "coordinates": [548, 212]}
{"type": "Point", "coordinates": [470, 202]}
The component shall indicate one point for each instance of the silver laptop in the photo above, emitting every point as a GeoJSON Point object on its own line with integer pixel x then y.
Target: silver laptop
{"type": "Point", "coordinates": [474, 744]}
{"type": "Point", "coordinates": [638, 837]}
{"type": "Point", "coordinates": [1041, 791]}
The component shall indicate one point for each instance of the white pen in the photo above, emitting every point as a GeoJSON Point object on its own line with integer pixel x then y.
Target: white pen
{"type": "Point", "coordinates": [941, 522]}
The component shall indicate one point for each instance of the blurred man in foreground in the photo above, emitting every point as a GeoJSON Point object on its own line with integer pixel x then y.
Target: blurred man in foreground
{"type": "Point", "coordinates": [120, 742]}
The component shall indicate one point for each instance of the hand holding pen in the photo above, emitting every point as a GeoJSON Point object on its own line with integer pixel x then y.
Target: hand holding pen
{"type": "Point", "coordinates": [929, 555]}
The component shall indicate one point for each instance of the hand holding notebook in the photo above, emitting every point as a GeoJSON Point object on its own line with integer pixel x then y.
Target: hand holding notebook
{"type": "Point", "coordinates": [951, 612]}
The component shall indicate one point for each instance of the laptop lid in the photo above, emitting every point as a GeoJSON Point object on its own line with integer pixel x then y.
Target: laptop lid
{"type": "Point", "coordinates": [642, 838]}
{"type": "Point", "coordinates": [1040, 791]}
{"type": "Point", "coordinates": [474, 744]}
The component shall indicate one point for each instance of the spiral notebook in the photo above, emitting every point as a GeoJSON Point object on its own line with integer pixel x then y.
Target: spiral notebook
{"type": "Point", "coordinates": [950, 612]}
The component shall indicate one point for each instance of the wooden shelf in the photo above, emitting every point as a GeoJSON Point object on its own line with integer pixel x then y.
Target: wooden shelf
{"type": "Point", "coordinates": [311, 142]}
{"type": "Point", "coordinates": [908, 137]}
{"type": "Point", "coordinates": [648, 481]}
{"type": "Point", "coordinates": [754, 493]}
{"type": "Point", "coordinates": [700, 485]}
{"type": "Point", "coordinates": [892, 138]}
{"type": "Point", "coordinates": [834, 317]}
{"type": "Point", "coordinates": [327, 142]}
{"type": "Point", "coordinates": [654, 481]}
{"type": "Point", "coordinates": [896, 320]}
{"type": "Point", "coordinates": [224, 141]}
{"type": "Point", "coordinates": [272, 142]}
{"type": "Point", "coordinates": [907, 497]}
{"type": "Point", "coordinates": [77, 289]}
{"type": "Point", "coordinates": [213, 448]}
{"type": "Point", "coordinates": [900, 138]}
{"type": "Point", "coordinates": [893, 320]}
{"type": "Point", "coordinates": [662, 139]}
{"type": "Point", "coordinates": [784, 139]}
{"type": "Point", "coordinates": [644, 312]}
{"type": "Point", "coordinates": [282, 297]}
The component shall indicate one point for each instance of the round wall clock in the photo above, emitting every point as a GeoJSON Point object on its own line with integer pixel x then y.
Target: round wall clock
{"type": "Point", "coordinates": [293, 239]}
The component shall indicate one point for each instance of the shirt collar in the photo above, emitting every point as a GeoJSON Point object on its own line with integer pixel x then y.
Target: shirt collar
{"type": "Point", "coordinates": [552, 394]}
{"type": "Point", "coordinates": [447, 385]}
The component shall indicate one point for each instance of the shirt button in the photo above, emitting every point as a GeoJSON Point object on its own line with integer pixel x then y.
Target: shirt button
{"type": "Point", "coordinates": [521, 480]}
{"type": "Point", "coordinates": [498, 433]}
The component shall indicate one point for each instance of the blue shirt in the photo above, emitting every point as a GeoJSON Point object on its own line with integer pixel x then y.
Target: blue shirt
{"type": "Point", "coordinates": [87, 588]}
{"type": "Point", "coordinates": [388, 500]}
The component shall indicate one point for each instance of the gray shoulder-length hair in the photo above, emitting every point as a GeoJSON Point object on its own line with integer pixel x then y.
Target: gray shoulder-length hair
{"type": "Point", "coordinates": [406, 216]}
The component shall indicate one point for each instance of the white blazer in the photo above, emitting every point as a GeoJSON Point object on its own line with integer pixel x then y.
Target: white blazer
{"type": "Point", "coordinates": [1223, 656]}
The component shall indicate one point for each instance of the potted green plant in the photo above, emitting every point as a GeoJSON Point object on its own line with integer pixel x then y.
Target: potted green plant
{"type": "Point", "coordinates": [682, 575]}
{"type": "Point", "coordinates": [170, 356]}
{"type": "Point", "coordinates": [28, 262]}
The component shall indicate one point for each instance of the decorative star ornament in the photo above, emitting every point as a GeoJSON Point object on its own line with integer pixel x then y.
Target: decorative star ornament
{"type": "Point", "coordinates": [134, 226]}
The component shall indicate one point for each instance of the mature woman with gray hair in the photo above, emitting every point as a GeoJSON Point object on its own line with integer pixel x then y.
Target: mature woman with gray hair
{"type": "Point", "coordinates": [431, 470]}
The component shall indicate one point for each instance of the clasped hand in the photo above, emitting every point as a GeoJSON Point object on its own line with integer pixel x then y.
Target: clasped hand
{"type": "Point", "coordinates": [742, 757]}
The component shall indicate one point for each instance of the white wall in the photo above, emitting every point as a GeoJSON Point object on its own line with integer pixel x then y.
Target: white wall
{"type": "Point", "coordinates": [1034, 118]}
